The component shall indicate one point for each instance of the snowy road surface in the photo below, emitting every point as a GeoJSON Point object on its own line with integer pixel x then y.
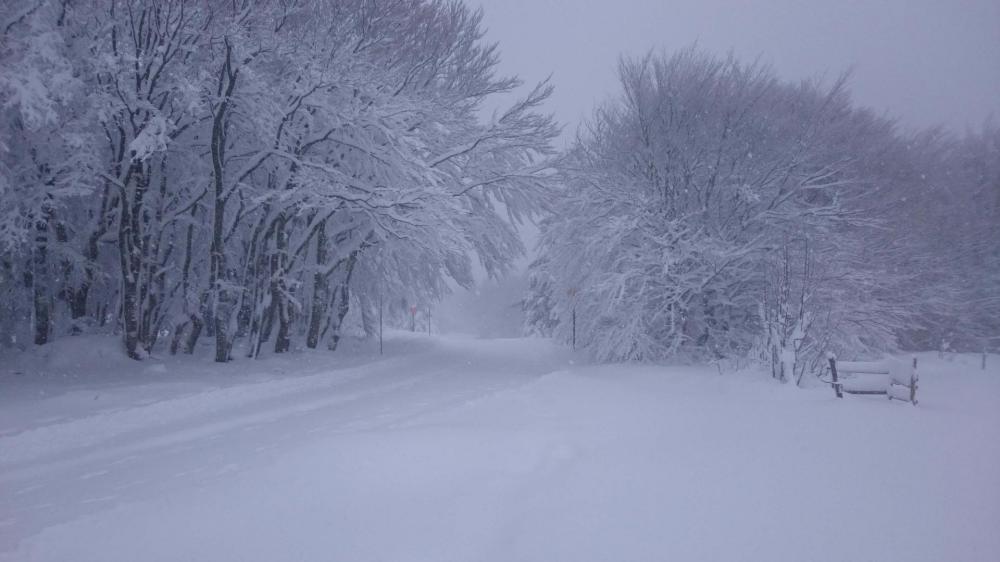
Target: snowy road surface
{"type": "Point", "coordinates": [500, 450]}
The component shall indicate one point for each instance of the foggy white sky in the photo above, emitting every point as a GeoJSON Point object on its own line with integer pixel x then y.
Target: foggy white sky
{"type": "Point", "coordinates": [926, 61]}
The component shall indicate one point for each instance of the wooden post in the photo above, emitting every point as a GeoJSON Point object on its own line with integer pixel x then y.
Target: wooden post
{"type": "Point", "coordinates": [380, 321]}
{"type": "Point", "coordinates": [833, 372]}
{"type": "Point", "coordinates": [983, 367]}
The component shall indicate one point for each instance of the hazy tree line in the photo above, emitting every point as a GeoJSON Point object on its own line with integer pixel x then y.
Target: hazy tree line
{"type": "Point", "coordinates": [266, 173]}
{"type": "Point", "coordinates": [251, 171]}
{"type": "Point", "coordinates": [712, 210]}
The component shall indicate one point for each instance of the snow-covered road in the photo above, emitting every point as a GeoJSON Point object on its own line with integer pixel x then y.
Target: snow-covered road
{"type": "Point", "coordinates": [463, 449]}
{"type": "Point", "coordinates": [61, 471]}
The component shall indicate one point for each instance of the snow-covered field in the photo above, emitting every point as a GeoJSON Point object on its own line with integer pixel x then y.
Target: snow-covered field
{"type": "Point", "coordinates": [500, 450]}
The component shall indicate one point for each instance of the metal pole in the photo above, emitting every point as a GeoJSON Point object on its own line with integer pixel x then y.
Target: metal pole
{"type": "Point", "coordinates": [571, 292]}
{"type": "Point", "coordinates": [574, 327]}
{"type": "Point", "coordinates": [380, 321]}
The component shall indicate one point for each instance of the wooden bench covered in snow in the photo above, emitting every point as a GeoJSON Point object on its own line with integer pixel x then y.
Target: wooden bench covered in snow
{"type": "Point", "coordinates": [893, 378]}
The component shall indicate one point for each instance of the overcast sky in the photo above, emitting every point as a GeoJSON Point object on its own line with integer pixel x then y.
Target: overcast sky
{"type": "Point", "coordinates": [926, 61]}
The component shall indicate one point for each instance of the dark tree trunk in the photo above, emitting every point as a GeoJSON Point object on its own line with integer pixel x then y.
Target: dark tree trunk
{"type": "Point", "coordinates": [193, 320]}
{"type": "Point", "coordinates": [40, 297]}
{"type": "Point", "coordinates": [343, 307]}
{"type": "Point", "coordinates": [321, 290]}
{"type": "Point", "coordinates": [175, 341]}
{"type": "Point", "coordinates": [80, 296]}
{"type": "Point", "coordinates": [197, 324]}
{"type": "Point", "coordinates": [283, 305]}
{"type": "Point", "coordinates": [157, 256]}
{"type": "Point", "coordinates": [343, 300]}
{"type": "Point", "coordinates": [267, 325]}
{"type": "Point", "coordinates": [69, 294]}
{"type": "Point", "coordinates": [78, 300]}
{"type": "Point", "coordinates": [218, 273]}
{"type": "Point", "coordinates": [282, 341]}
{"type": "Point", "coordinates": [258, 264]}
{"type": "Point", "coordinates": [130, 258]}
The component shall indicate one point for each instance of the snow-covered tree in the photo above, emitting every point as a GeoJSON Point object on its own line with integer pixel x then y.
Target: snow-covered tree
{"type": "Point", "coordinates": [252, 170]}
{"type": "Point", "coordinates": [715, 210]}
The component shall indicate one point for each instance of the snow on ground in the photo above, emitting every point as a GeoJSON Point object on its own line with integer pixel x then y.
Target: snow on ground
{"type": "Point", "coordinates": [467, 450]}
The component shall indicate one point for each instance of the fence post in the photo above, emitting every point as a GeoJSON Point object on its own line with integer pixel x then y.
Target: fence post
{"type": "Point", "coordinates": [833, 372]}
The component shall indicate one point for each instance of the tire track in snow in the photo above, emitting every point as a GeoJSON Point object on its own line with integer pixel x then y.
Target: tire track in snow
{"type": "Point", "coordinates": [126, 456]}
